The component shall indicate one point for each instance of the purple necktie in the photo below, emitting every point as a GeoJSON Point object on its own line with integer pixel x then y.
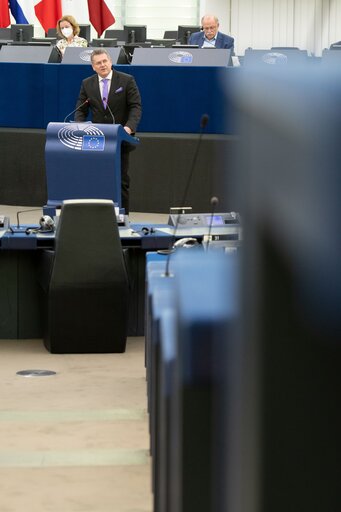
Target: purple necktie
{"type": "Point", "coordinates": [105, 92]}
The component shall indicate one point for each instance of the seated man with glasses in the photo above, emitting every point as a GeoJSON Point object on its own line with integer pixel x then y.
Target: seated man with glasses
{"type": "Point", "coordinates": [209, 37]}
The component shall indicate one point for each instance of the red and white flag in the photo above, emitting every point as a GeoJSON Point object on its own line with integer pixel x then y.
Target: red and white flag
{"type": "Point", "coordinates": [100, 15]}
{"type": "Point", "coordinates": [4, 14]}
{"type": "Point", "coordinates": [48, 12]}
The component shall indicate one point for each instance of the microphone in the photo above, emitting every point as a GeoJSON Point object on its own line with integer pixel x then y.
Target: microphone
{"type": "Point", "coordinates": [112, 115]}
{"type": "Point", "coordinates": [203, 123]}
{"type": "Point", "coordinates": [23, 211]}
{"type": "Point", "coordinates": [75, 110]}
{"type": "Point", "coordinates": [214, 203]}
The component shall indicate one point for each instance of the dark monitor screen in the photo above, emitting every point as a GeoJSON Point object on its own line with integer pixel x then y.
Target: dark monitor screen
{"type": "Point", "coordinates": [52, 32]}
{"type": "Point", "coordinates": [29, 43]}
{"type": "Point", "coordinates": [185, 31]}
{"type": "Point", "coordinates": [179, 45]}
{"type": "Point", "coordinates": [130, 48]}
{"type": "Point", "coordinates": [85, 32]}
{"type": "Point", "coordinates": [136, 33]}
{"type": "Point", "coordinates": [55, 56]}
{"type": "Point", "coordinates": [22, 32]}
{"type": "Point", "coordinates": [5, 33]}
{"type": "Point", "coordinates": [120, 35]}
{"type": "Point", "coordinates": [104, 42]}
{"type": "Point", "coordinates": [167, 43]}
{"type": "Point", "coordinates": [47, 40]}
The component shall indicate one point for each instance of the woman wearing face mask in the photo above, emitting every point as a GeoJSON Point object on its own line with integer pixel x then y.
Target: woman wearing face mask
{"type": "Point", "coordinates": [68, 30]}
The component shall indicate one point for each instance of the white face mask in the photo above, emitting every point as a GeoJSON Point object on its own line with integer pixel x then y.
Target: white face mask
{"type": "Point", "coordinates": [67, 31]}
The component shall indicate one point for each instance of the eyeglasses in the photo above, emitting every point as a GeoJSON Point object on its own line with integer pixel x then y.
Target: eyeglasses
{"type": "Point", "coordinates": [210, 28]}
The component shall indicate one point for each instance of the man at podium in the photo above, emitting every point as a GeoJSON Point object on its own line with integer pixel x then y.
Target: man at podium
{"type": "Point", "coordinates": [113, 98]}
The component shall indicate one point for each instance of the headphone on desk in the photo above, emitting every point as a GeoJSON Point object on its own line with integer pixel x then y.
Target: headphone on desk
{"type": "Point", "coordinates": [46, 223]}
{"type": "Point", "coordinates": [147, 231]}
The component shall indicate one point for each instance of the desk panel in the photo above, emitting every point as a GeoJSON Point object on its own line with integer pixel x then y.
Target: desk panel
{"type": "Point", "coordinates": [159, 170]}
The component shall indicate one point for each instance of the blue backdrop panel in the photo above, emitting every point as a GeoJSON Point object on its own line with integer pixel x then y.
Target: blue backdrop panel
{"type": "Point", "coordinates": [70, 79]}
{"type": "Point", "coordinates": [173, 99]}
{"type": "Point", "coordinates": [22, 95]}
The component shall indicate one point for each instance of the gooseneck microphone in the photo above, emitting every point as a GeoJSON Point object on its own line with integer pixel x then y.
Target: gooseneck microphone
{"type": "Point", "coordinates": [24, 211]}
{"type": "Point", "coordinates": [77, 108]}
{"type": "Point", "coordinates": [203, 123]}
{"type": "Point", "coordinates": [112, 115]}
{"type": "Point", "coordinates": [214, 203]}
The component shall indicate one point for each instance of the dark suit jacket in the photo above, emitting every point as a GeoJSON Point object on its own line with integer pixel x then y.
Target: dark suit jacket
{"type": "Point", "coordinates": [124, 101]}
{"type": "Point", "coordinates": [223, 40]}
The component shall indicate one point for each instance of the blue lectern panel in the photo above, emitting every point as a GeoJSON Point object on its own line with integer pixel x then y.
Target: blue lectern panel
{"type": "Point", "coordinates": [83, 55]}
{"type": "Point", "coordinates": [275, 58]}
{"type": "Point", "coordinates": [83, 161]}
{"type": "Point", "coordinates": [32, 54]}
{"type": "Point", "coordinates": [331, 58]}
{"type": "Point", "coordinates": [185, 57]}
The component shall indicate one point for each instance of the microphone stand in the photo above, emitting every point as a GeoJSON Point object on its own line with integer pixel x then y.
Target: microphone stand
{"type": "Point", "coordinates": [77, 108]}
{"type": "Point", "coordinates": [110, 111]}
{"type": "Point", "coordinates": [203, 123]}
{"type": "Point", "coordinates": [214, 203]}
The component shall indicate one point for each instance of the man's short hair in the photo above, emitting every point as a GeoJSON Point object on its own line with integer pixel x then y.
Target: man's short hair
{"type": "Point", "coordinates": [209, 16]}
{"type": "Point", "coordinates": [100, 51]}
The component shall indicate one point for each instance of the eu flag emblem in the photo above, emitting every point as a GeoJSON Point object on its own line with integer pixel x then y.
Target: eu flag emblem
{"type": "Point", "coordinates": [93, 143]}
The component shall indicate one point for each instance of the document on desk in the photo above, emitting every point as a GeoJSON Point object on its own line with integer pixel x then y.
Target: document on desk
{"type": "Point", "coordinates": [128, 233]}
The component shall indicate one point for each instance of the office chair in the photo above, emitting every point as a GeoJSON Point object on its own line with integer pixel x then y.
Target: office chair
{"type": "Point", "coordinates": [335, 46]}
{"type": "Point", "coordinates": [85, 281]}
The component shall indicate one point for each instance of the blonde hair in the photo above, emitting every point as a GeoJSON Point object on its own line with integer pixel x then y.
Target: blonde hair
{"type": "Point", "coordinates": [72, 22]}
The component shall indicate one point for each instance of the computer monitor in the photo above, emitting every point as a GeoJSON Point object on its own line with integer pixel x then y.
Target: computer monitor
{"type": "Point", "coordinates": [47, 40]}
{"type": "Point", "coordinates": [185, 46]}
{"type": "Point", "coordinates": [55, 56]}
{"type": "Point", "coordinates": [167, 43]}
{"type": "Point", "coordinates": [85, 32]}
{"type": "Point", "coordinates": [22, 32]}
{"type": "Point", "coordinates": [136, 33]}
{"type": "Point", "coordinates": [185, 31]}
{"type": "Point", "coordinates": [5, 33]}
{"type": "Point", "coordinates": [170, 34]}
{"type": "Point", "coordinates": [28, 43]}
{"type": "Point", "coordinates": [120, 35]}
{"type": "Point", "coordinates": [52, 32]}
{"type": "Point", "coordinates": [104, 42]}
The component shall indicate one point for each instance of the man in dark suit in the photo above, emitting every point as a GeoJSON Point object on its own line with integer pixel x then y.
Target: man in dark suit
{"type": "Point", "coordinates": [209, 36]}
{"type": "Point", "coordinates": [113, 97]}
